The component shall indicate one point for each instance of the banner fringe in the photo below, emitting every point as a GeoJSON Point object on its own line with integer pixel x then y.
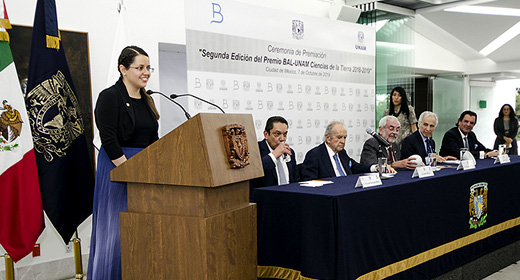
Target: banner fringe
{"type": "Point", "coordinates": [53, 42]}
{"type": "Point", "coordinates": [4, 23]}
{"type": "Point", "coordinates": [4, 36]}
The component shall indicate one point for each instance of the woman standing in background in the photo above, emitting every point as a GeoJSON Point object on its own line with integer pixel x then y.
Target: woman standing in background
{"type": "Point", "coordinates": [506, 129]}
{"type": "Point", "coordinates": [405, 113]}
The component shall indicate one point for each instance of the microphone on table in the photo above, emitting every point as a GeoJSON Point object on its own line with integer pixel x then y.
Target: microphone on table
{"type": "Point", "coordinates": [150, 92]}
{"type": "Point", "coordinates": [377, 136]}
{"type": "Point", "coordinates": [173, 96]}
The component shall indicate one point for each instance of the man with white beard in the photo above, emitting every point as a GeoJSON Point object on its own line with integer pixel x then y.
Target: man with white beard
{"type": "Point", "coordinates": [388, 129]}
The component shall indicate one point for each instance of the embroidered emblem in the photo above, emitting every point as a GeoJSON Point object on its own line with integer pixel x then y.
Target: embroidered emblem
{"type": "Point", "coordinates": [297, 29]}
{"type": "Point", "coordinates": [478, 205]}
{"type": "Point", "coordinates": [55, 116]}
{"type": "Point", "coordinates": [235, 141]}
{"type": "Point", "coordinates": [10, 127]}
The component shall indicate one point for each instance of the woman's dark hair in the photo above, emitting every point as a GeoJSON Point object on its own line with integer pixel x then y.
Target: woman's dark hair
{"type": "Point", "coordinates": [404, 103]}
{"type": "Point", "coordinates": [511, 114]}
{"type": "Point", "coordinates": [126, 58]}
{"type": "Point", "coordinates": [128, 55]}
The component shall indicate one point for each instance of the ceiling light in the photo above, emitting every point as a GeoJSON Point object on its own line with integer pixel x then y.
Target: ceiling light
{"type": "Point", "coordinates": [483, 10]}
{"type": "Point", "coordinates": [502, 39]}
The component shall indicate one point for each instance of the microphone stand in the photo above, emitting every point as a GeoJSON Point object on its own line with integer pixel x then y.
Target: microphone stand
{"type": "Point", "coordinates": [173, 96]}
{"type": "Point", "coordinates": [150, 92]}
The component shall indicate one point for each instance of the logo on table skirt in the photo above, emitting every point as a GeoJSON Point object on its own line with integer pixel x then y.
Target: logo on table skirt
{"type": "Point", "coordinates": [478, 194]}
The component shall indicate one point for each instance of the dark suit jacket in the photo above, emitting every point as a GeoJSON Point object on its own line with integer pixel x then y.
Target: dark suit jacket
{"type": "Point", "coordinates": [414, 145]}
{"type": "Point", "coordinates": [499, 129]}
{"type": "Point", "coordinates": [371, 149]}
{"type": "Point", "coordinates": [317, 164]}
{"type": "Point", "coordinates": [270, 178]}
{"type": "Point", "coordinates": [452, 142]}
{"type": "Point", "coordinates": [115, 119]}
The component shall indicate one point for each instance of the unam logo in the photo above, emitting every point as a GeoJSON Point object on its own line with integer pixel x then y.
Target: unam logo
{"type": "Point", "coordinates": [297, 29]}
{"type": "Point", "coordinates": [478, 194]}
{"type": "Point", "coordinates": [361, 36]}
{"type": "Point", "coordinates": [361, 40]}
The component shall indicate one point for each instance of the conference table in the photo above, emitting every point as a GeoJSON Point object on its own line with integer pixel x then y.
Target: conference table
{"type": "Point", "coordinates": [406, 228]}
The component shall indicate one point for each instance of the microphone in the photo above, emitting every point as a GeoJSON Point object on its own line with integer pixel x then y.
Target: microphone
{"type": "Point", "coordinates": [378, 138]}
{"type": "Point", "coordinates": [150, 92]}
{"type": "Point", "coordinates": [173, 96]}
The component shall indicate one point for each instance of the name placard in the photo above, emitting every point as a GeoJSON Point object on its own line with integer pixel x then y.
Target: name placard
{"type": "Point", "coordinates": [368, 181]}
{"type": "Point", "coordinates": [502, 159]}
{"type": "Point", "coordinates": [422, 172]}
{"type": "Point", "coordinates": [465, 165]}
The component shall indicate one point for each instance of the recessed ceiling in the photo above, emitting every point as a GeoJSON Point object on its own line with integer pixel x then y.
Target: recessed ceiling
{"type": "Point", "coordinates": [469, 33]}
{"type": "Point", "coordinates": [415, 4]}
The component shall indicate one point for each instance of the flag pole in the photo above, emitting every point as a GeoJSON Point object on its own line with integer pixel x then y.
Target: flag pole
{"type": "Point", "coordinates": [9, 267]}
{"type": "Point", "coordinates": [77, 256]}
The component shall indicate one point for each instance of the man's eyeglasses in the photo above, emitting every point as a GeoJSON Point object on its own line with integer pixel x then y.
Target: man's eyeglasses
{"type": "Point", "coordinates": [143, 69]}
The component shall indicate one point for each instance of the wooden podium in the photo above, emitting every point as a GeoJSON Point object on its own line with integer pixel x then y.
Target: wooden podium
{"type": "Point", "coordinates": [189, 215]}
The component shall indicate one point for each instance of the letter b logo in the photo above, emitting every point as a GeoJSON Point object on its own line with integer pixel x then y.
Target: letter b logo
{"type": "Point", "coordinates": [218, 17]}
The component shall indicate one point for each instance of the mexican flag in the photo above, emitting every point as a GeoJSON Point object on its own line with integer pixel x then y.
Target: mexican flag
{"type": "Point", "coordinates": [21, 212]}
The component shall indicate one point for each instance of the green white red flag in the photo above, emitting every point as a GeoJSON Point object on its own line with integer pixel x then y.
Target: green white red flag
{"type": "Point", "coordinates": [21, 212]}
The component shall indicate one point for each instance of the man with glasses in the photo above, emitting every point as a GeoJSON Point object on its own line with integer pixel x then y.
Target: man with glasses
{"type": "Point", "coordinates": [330, 159]}
{"type": "Point", "coordinates": [389, 127]}
{"type": "Point", "coordinates": [462, 136]}
{"type": "Point", "coordinates": [278, 159]}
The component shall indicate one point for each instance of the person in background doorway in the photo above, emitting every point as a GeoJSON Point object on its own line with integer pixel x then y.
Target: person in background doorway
{"type": "Point", "coordinates": [506, 129]}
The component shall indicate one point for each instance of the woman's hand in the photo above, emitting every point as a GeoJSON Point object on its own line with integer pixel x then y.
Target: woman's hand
{"type": "Point", "coordinates": [118, 161]}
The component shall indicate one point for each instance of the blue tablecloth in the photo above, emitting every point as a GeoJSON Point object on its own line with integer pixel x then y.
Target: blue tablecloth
{"type": "Point", "coordinates": [408, 228]}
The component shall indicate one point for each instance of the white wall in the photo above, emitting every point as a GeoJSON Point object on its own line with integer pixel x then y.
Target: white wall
{"type": "Point", "coordinates": [431, 56]}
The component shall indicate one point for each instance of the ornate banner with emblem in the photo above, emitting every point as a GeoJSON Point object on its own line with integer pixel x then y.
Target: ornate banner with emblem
{"type": "Point", "coordinates": [65, 172]}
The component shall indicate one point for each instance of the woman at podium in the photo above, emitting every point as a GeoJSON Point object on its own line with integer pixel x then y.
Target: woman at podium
{"type": "Point", "coordinates": [127, 121]}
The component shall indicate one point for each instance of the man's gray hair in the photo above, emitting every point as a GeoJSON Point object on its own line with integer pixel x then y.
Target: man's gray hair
{"type": "Point", "coordinates": [385, 119]}
{"type": "Point", "coordinates": [328, 130]}
{"type": "Point", "coordinates": [426, 114]}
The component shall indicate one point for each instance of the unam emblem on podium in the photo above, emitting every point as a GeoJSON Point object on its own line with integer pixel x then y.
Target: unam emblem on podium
{"type": "Point", "coordinates": [235, 141]}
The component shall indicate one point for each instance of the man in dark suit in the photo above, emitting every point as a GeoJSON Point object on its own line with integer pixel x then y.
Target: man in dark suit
{"type": "Point", "coordinates": [278, 159]}
{"type": "Point", "coordinates": [330, 159]}
{"type": "Point", "coordinates": [462, 136]}
{"type": "Point", "coordinates": [388, 129]}
{"type": "Point", "coordinates": [421, 142]}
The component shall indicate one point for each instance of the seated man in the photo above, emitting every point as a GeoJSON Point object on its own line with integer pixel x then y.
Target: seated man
{"type": "Point", "coordinates": [278, 159]}
{"type": "Point", "coordinates": [388, 129]}
{"type": "Point", "coordinates": [462, 136]}
{"type": "Point", "coordinates": [330, 159]}
{"type": "Point", "coordinates": [421, 142]}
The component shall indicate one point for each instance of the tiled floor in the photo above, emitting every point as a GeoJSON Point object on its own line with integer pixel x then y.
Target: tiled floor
{"type": "Point", "coordinates": [511, 272]}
